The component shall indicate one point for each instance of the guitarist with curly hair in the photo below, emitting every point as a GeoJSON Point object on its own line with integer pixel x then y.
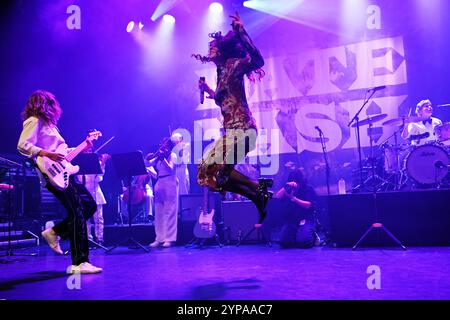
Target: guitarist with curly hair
{"type": "Point", "coordinates": [41, 141]}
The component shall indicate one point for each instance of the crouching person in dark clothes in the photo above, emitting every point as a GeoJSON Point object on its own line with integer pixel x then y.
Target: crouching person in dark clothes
{"type": "Point", "coordinates": [297, 214]}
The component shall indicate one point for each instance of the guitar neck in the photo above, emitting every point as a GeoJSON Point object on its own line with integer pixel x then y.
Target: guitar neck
{"type": "Point", "coordinates": [205, 200]}
{"type": "Point", "coordinates": [72, 154]}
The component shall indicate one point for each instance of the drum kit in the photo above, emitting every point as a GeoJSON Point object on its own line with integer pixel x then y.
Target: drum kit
{"type": "Point", "coordinates": [419, 166]}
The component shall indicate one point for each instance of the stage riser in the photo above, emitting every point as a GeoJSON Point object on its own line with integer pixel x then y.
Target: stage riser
{"type": "Point", "coordinates": [145, 234]}
{"type": "Point", "coordinates": [419, 218]}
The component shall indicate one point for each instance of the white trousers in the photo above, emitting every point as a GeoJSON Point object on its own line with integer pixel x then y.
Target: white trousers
{"type": "Point", "coordinates": [166, 209]}
{"type": "Point", "coordinates": [98, 224]}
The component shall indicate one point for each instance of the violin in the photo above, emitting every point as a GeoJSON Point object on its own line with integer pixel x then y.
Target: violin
{"type": "Point", "coordinates": [162, 152]}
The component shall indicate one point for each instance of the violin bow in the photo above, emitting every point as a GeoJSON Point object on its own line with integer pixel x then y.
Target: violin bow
{"type": "Point", "coordinates": [109, 140]}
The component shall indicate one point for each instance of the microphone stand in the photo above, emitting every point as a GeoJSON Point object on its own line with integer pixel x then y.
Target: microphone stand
{"type": "Point", "coordinates": [377, 224]}
{"type": "Point", "coordinates": [358, 138]}
{"type": "Point", "coordinates": [327, 166]}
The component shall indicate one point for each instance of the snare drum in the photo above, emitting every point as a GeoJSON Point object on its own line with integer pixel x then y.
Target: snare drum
{"type": "Point", "coordinates": [442, 131]}
{"type": "Point", "coordinates": [427, 164]}
{"type": "Point", "coordinates": [394, 157]}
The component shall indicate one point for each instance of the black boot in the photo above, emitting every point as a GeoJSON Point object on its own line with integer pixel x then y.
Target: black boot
{"type": "Point", "coordinates": [264, 184]}
{"type": "Point", "coordinates": [256, 191]}
{"type": "Point", "coordinates": [264, 195]}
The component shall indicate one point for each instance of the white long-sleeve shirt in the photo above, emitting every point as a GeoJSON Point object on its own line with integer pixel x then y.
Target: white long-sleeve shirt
{"type": "Point", "coordinates": [37, 135]}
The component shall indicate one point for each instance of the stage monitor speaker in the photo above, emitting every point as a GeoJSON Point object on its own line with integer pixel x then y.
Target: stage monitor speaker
{"type": "Point", "coordinates": [239, 217]}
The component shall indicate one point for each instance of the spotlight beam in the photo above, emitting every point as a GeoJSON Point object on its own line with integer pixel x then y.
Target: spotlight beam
{"type": "Point", "coordinates": [163, 7]}
{"type": "Point", "coordinates": [290, 10]}
{"type": "Point", "coordinates": [280, 8]}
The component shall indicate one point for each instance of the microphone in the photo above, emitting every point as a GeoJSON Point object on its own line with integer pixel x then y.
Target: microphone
{"type": "Point", "coordinates": [318, 129]}
{"type": "Point", "coordinates": [202, 91]}
{"type": "Point", "coordinates": [443, 105]}
{"type": "Point", "coordinates": [377, 88]}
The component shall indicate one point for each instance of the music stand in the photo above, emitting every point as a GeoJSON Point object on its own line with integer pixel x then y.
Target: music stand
{"type": "Point", "coordinates": [89, 164]}
{"type": "Point", "coordinates": [128, 165]}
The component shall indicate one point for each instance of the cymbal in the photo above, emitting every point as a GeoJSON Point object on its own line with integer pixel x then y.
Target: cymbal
{"type": "Point", "coordinates": [402, 120]}
{"type": "Point", "coordinates": [370, 119]}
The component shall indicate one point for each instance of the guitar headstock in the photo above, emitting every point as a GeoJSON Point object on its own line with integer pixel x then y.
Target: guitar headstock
{"type": "Point", "coordinates": [94, 135]}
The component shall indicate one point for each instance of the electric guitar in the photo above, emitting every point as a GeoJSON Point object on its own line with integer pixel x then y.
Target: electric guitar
{"type": "Point", "coordinates": [58, 173]}
{"type": "Point", "coordinates": [205, 227]}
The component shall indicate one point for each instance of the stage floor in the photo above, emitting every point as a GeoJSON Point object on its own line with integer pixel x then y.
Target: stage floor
{"type": "Point", "coordinates": [233, 273]}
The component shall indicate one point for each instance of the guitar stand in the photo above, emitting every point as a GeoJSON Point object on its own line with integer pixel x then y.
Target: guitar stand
{"type": "Point", "coordinates": [201, 241]}
{"type": "Point", "coordinates": [260, 234]}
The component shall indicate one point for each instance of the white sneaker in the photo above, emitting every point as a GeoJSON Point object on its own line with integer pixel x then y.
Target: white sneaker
{"type": "Point", "coordinates": [84, 268]}
{"type": "Point", "coordinates": [155, 244]}
{"type": "Point", "coordinates": [72, 269]}
{"type": "Point", "coordinates": [88, 265]}
{"type": "Point", "coordinates": [52, 239]}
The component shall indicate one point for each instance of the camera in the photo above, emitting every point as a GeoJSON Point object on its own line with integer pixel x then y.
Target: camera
{"type": "Point", "coordinates": [289, 188]}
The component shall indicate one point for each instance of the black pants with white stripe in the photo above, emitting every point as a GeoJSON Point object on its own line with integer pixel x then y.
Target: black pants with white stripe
{"type": "Point", "coordinates": [80, 207]}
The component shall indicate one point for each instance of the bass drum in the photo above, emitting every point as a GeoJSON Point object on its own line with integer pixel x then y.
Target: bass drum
{"type": "Point", "coordinates": [427, 164]}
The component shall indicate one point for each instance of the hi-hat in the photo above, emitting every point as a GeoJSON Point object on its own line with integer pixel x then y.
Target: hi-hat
{"type": "Point", "coordinates": [402, 120]}
{"type": "Point", "coordinates": [371, 119]}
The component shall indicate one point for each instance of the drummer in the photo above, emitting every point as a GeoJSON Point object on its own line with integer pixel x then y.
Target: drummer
{"type": "Point", "coordinates": [422, 131]}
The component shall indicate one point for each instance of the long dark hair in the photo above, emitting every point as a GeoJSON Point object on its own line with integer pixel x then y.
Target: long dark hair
{"type": "Point", "coordinates": [42, 104]}
{"type": "Point", "coordinates": [229, 47]}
